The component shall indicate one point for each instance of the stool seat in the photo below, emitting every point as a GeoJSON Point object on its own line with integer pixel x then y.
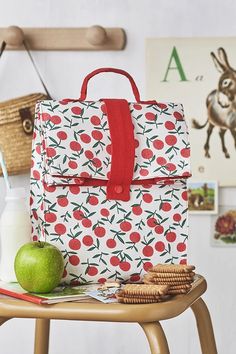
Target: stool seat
{"type": "Point", "coordinates": [146, 315]}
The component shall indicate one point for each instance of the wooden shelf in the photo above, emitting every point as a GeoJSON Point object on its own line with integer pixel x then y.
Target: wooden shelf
{"type": "Point", "coordinates": [93, 38]}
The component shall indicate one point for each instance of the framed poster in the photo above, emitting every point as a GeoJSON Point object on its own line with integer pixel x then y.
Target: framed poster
{"type": "Point", "coordinates": [199, 72]}
{"type": "Point", "coordinates": [223, 227]}
{"type": "Point", "coordinates": [202, 197]}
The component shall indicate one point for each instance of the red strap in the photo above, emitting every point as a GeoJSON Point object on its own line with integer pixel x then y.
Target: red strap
{"type": "Point", "coordinates": [83, 94]}
{"type": "Point", "coordinates": [123, 149]}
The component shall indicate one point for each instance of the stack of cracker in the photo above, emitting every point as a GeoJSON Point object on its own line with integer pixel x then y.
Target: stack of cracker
{"type": "Point", "coordinates": [142, 294]}
{"type": "Point", "coordinates": [177, 276]}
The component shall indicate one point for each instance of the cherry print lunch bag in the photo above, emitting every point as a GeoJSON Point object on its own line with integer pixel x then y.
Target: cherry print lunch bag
{"type": "Point", "coordinates": [108, 184]}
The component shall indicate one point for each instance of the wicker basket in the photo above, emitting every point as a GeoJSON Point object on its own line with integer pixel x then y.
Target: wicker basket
{"type": "Point", "coordinates": [16, 128]}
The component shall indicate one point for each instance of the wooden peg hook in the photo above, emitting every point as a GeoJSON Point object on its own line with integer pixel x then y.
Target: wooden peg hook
{"type": "Point", "coordinates": [14, 36]}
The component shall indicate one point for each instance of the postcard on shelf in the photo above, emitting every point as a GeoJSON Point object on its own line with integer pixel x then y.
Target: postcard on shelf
{"type": "Point", "coordinates": [59, 294]}
{"type": "Point", "coordinates": [202, 197]}
{"type": "Point", "coordinates": [223, 227]}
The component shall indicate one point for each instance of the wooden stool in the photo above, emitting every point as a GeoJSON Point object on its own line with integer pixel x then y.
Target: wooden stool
{"type": "Point", "coordinates": [147, 316]}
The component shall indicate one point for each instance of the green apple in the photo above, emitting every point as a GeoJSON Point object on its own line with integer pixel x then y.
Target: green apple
{"type": "Point", "coordinates": [39, 267]}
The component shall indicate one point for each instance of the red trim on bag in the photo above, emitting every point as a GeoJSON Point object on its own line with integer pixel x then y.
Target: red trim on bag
{"type": "Point", "coordinates": [123, 149]}
{"type": "Point", "coordinates": [89, 182]}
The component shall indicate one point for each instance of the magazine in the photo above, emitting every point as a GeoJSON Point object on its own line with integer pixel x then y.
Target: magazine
{"type": "Point", "coordinates": [60, 294]}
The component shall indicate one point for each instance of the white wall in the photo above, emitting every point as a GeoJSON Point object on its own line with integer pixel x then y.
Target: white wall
{"type": "Point", "coordinates": [63, 73]}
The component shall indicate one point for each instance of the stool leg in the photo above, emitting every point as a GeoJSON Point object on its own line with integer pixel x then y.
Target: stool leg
{"type": "Point", "coordinates": [156, 338]}
{"type": "Point", "coordinates": [41, 341]}
{"type": "Point", "coordinates": [204, 325]}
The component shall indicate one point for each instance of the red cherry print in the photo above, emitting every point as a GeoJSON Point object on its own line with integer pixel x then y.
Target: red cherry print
{"type": "Point", "coordinates": [87, 240]}
{"type": "Point", "coordinates": [35, 215]}
{"type": "Point", "coordinates": [185, 152]}
{"type": "Point", "coordinates": [36, 175]}
{"type": "Point", "coordinates": [62, 135]}
{"type": "Point", "coordinates": [178, 116]}
{"type": "Point", "coordinates": [166, 206]}
{"type": "Point", "coordinates": [32, 163]}
{"type": "Point", "coordinates": [75, 146]}
{"type": "Point", "coordinates": [99, 231]}
{"type": "Point", "coordinates": [64, 273]}
{"type": "Point", "coordinates": [137, 210]}
{"type": "Point", "coordinates": [35, 238]}
{"type": "Point", "coordinates": [49, 189]}
{"type": "Point", "coordinates": [38, 149]}
{"type": "Point", "coordinates": [147, 198]}
{"type": "Point", "coordinates": [160, 246]}
{"type": "Point", "coordinates": [114, 261]}
{"type": "Point", "coordinates": [148, 251]}
{"type": "Point", "coordinates": [74, 244]}
{"type": "Point", "coordinates": [135, 237]}
{"type": "Point", "coordinates": [109, 149]}
{"type": "Point", "coordinates": [55, 119]}
{"type": "Point", "coordinates": [135, 278]}
{"type": "Point", "coordinates": [76, 110]}
{"type": "Point", "coordinates": [85, 174]}
{"type": "Point", "coordinates": [88, 154]}
{"type": "Point", "coordinates": [31, 201]}
{"type": "Point", "coordinates": [74, 260]}
{"type": "Point", "coordinates": [105, 212]}
{"type": "Point", "coordinates": [111, 243]}
{"type": "Point", "coordinates": [138, 107]}
{"type": "Point", "coordinates": [136, 143]}
{"type": "Point", "coordinates": [60, 229]}
{"type": "Point", "coordinates": [97, 135]}
{"type": "Point", "coordinates": [159, 229]}
{"type": "Point", "coordinates": [45, 116]}
{"type": "Point", "coordinates": [78, 214]}
{"type": "Point", "coordinates": [74, 189]}
{"type": "Point", "coordinates": [152, 222]}
{"type": "Point", "coordinates": [147, 266]}
{"type": "Point", "coordinates": [169, 125]}
{"type": "Point", "coordinates": [34, 136]}
{"type": "Point", "coordinates": [62, 201]}
{"type": "Point", "coordinates": [102, 280]}
{"type": "Point", "coordinates": [162, 105]}
{"type": "Point", "coordinates": [85, 138]}
{"type": "Point", "coordinates": [96, 162]}
{"type": "Point", "coordinates": [50, 217]}
{"type": "Point", "coordinates": [144, 172]}
{"type": "Point", "coordinates": [185, 195]}
{"type": "Point", "coordinates": [86, 222]}
{"type": "Point", "coordinates": [125, 226]}
{"type": "Point", "coordinates": [92, 200]}
{"type": "Point", "coordinates": [170, 140]}
{"type": "Point", "coordinates": [171, 236]}
{"type": "Point", "coordinates": [161, 161]}
{"type": "Point", "coordinates": [177, 217]}
{"type": "Point", "coordinates": [181, 247]}
{"type": "Point", "coordinates": [92, 271]}
{"type": "Point", "coordinates": [158, 144]}
{"type": "Point", "coordinates": [73, 164]}
{"type": "Point", "coordinates": [150, 116]}
{"type": "Point", "coordinates": [43, 144]}
{"type": "Point", "coordinates": [95, 120]}
{"type": "Point", "coordinates": [125, 266]}
{"type": "Point", "coordinates": [147, 153]}
{"type": "Point", "coordinates": [170, 167]}
{"type": "Point", "coordinates": [183, 261]}
{"type": "Point", "coordinates": [104, 109]}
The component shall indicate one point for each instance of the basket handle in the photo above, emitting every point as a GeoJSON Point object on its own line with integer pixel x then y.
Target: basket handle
{"type": "Point", "coordinates": [84, 86]}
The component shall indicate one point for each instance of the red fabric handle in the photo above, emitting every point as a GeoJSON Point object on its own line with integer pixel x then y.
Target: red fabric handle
{"type": "Point", "coordinates": [83, 93]}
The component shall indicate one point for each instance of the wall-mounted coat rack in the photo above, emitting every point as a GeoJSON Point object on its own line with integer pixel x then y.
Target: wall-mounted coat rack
{"type": "Point", "coordinates": [92, 38]}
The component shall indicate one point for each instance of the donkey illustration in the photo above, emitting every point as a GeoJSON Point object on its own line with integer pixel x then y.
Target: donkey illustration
{"type": "Point", "coordinates": [221, 104]}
